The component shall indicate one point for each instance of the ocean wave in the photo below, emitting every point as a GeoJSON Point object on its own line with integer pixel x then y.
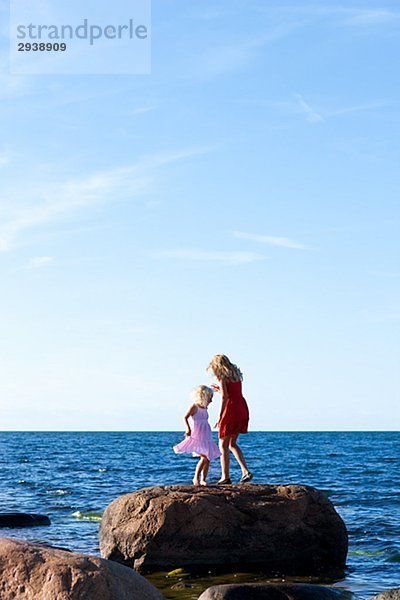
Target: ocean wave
{"type": "Point", "coordinates": [87, 515]}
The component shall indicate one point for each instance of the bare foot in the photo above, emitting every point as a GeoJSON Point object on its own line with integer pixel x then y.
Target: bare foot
{"type": "Point", "coordinates": [202, 482]}
{"type": "Point", "coordinates": [196, 482]}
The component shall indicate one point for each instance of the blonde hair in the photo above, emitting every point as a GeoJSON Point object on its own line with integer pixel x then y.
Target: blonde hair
{"type": "Point", "coordinates": [223, 369]}
{"type": "Point", "coordinates": [202, 395]}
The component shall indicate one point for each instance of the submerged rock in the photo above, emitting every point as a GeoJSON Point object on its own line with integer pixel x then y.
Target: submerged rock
{"type": "Point", "coordinates": [23, 520]}
{"type": "Point", "coordinates": [274, 591]}
{"type": "Point", "coordinates": [36, 572]}
{"type": "Point", "coordinates": [276, 528]}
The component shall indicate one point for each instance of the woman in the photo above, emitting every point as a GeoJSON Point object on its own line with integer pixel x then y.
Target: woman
{"type": "Point", "coordinates": [234, 414]}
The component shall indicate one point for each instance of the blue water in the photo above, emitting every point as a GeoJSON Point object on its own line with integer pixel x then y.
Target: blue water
{"type": "Point", "coordinates": [72, 477]}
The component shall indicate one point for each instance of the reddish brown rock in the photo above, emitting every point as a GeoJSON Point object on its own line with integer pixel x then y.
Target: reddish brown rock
{"type": "Point", "coordinates": [35, 572]}
{"type": "Point", "coordinates": [286, 529]}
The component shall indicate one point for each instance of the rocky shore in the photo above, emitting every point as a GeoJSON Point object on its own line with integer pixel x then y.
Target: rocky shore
{"type": "Point", "coordinates": [290, 529]}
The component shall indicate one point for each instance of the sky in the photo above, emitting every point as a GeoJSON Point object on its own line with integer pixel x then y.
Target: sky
{"type": "Point", "coordinates": [243, 198]}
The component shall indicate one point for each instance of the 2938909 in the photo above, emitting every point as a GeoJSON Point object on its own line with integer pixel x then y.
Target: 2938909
{"type": "Point", "coordinates": [42, 47]}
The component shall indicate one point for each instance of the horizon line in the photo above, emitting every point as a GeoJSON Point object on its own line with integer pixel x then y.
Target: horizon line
{"type": "Point", "coordinates": [180, 431]}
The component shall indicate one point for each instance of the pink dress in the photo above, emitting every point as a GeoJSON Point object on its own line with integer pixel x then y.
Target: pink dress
{"type": "Point", "coordinates": [200, 440]}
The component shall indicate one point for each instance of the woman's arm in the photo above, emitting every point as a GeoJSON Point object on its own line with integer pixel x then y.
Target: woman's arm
{"type": "Point", "coordinates": [224, 399]}
{"type": "Point", "coordinates": [192, 410]}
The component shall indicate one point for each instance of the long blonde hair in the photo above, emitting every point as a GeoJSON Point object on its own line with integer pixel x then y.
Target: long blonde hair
{"type": "Point", "coordinates": [223, 369]}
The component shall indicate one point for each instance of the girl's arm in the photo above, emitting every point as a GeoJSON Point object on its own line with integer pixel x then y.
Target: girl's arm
{"type": "Point", "coordinates": [192, 410]}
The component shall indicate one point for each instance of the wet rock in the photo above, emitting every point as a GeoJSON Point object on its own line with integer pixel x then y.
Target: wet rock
{"type": "Point", "coordinates": [273, 591]}
{"type": "Point", "coordinates": [37, 572]}
{"type": "Point", "coordinates": [22, 520]}
{"type": "Point", "coordinates": [276, 528]}
{"type": "Point", "coordinates": [181, 585]}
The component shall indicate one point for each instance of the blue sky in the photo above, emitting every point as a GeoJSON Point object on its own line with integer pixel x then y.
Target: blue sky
{"type": "Point", "coordinates": [243, 199]}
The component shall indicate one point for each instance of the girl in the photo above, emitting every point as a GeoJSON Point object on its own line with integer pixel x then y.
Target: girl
{"type": "Point", "coordinates": [198, 434]}
{"type": "Point", "coordinates": [234, 414]}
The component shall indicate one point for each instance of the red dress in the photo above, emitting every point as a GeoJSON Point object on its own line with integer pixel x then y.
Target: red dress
{"type": "Point", "coordinates": [235, 418]}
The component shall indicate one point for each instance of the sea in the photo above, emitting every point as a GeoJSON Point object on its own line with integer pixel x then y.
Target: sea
{"type": "Point", "coordinates": [73, 476]}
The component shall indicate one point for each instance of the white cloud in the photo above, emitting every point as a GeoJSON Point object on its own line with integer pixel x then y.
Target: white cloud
{"type": "Point", "coordinates": [348, 15]}
{"type": "Point", "coordinates": [357, 109]}
{"type": "Point", "coordinates": [233, 56]}
{"type": "Point", "coordinates": [370, 17]}
{"type": "Point", "coordinates": [311, 114]}
{"type": "Point", "coordinates": [38, 262]}
{"type": "Point", "coordinates": [36, 205]}
{"type": "Point", "coordinates": [338, 14]}
{"type": "Point", "coordinates": [209, 15]}
{"type": "Point", "coordinates": [231, 257]}
{"type": "Point", "coordinates": [271, 240]}
{"type": "Point", "coordinates": [143, 109]}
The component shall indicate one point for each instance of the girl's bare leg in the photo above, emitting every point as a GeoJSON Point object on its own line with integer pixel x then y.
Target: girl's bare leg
{"type": "Point", "coordinates": [225, 458]}
{"type": "Point", "coordinates": [237, 453]}
{"type": "Point", "coordinates": [204, 473]}
{"type": "Point", "coordinates": [198, 471]}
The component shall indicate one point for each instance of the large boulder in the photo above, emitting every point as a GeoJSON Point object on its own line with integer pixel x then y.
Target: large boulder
{"type": "Point", "coordinates": [276, 528]}
{"type": "Point", "coordinates": [35, 572]}
{"type": "Point", "coordinates": [274, 591]}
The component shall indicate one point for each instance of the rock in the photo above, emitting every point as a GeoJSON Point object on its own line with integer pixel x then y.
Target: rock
{"type": "Point", "coordinates": [37, 572]}
{"type": "Point", "coordinates": [274, 591]}
{"type": "Point", "coordinates": [22, 520]}
{"type": "Point", "coordinates": [393, 594]}
{"type": "Point", "coordinates": [276, 528]}
{"type": "Point", "coordinates": [181, 585]}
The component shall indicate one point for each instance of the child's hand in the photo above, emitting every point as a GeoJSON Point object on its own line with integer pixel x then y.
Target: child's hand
{"type": "Point", "coordinates": [216, 426]}
{"type": "Point", "coordinates": [188, 433]}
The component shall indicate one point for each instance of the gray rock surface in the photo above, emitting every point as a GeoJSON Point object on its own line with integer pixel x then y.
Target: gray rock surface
{"type": "Point", "coordinates": [284, 528]}
{"type": "Point", "coordinates": [393, 594]}
{"type": "Point", "coordinates": [35, 572]}
{"type": "Point", "coordinates": [273, 591]}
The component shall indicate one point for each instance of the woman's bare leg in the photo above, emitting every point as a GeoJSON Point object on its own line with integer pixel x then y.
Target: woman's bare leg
{"type": "Point", "coordinates": [237, 453]}
{"type": "Point", "coordinates": [225, 458]}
